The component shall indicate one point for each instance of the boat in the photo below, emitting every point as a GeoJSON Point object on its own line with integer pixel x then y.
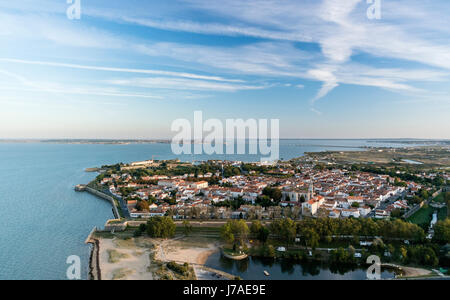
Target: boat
{"type": "Point", "coordinates": [266, 273]}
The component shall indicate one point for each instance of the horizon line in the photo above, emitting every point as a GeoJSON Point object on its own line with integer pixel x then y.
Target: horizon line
{"type": "Point", "coordinates": [168, 139]}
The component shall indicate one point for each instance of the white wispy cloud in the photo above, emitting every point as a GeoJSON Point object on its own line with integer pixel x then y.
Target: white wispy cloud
{"type": "Point", "coordinates": [55, 88]}
{"type": "Point", "coordinates": [263, 59]}
{"type": "Point", "coordinates": [218, 29]}
{"type": "Point", "coordinates": [120, 70]}
{"type": "Point", "coordinates": [409, 31]}
{"type": "Point", "coordinates": [38, 28]}
{"type": "Point", "coordinates": [337, 28]}
{"type": "Point", "coordinates": [182, 84]}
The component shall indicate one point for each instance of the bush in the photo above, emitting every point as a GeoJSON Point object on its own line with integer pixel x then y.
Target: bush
{"type": "Point", "coordinates": [180, 269]}
{"type": "Point", "coordinates": [161, 227]}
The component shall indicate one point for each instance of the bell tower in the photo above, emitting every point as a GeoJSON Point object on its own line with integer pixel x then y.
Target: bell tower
{"type": "Point", "coordinates": [311, 191]}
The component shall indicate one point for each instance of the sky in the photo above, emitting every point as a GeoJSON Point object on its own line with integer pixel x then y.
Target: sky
{"type": "Point", "coordinates": [128, 69]}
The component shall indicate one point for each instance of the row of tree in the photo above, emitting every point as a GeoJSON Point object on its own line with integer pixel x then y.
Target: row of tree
{"type": "Point", "coordinates": [442, 231]}
{"type": "Point", "coordinates": [158, 227]}
{"type": "Point", "coordinates": [405, 174]}
{"type": "Point", "coordinates": [312, 231]}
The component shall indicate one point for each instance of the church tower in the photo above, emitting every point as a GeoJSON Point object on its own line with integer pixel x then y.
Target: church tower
{"type": "Point", "coordinates": [311, 191]}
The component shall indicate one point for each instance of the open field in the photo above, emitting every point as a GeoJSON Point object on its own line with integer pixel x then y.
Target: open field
{"type": "Point", "coordinates": [422, 216]}
{"type": "Point", "coordinates": [414, 158]}
{"type": "Point", "coordinates": [425, 215]}
{"type": "Point", "coordinates": [440, 198]}
{"type": "Point", "coordinates": [124, 260]}
{"type": "Point", "coordinates": [193, 250]}
{"type": "Point", "coordinates": [123, 257]}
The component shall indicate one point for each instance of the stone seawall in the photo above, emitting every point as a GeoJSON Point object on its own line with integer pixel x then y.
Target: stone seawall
{"type": "Point", "coordinates": [105, 197]}
{"type": "Point", "coordinates": [94, 261]}
{"type": "Point", "coordinates": [94, 258]}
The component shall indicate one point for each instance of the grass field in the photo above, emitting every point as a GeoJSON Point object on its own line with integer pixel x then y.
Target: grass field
{"type": "Point", "coordinates": [425, 215]}
{"type": "Point", "coordinates": [443, 213]}
{"type": "Point", "coordinates": [427, 157]}
{"type": "Point", "coordinates": [201, 231]}
{"type": "Point", "coordinates": [422, 216]}
{"type": "Point", "coordinates": [440, 198]}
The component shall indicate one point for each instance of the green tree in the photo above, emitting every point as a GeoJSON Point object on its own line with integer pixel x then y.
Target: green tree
{"type": "Point", "coordinates": [442, 231]}
{"type": "Point", "coordinates": [285, 229]}
{"type": "Point", "coordinates": [273, 193]}
{"type": "Point", "coordinates": [263, 234]}
{"type": "Point", "coordinates": [355, 204]}
{"type": "Point", "coordinates": [161, 227]}
{"type": "Point", "coordinates": [270, 251]}
{"type": "Point", "coordinates": [255, 227]}
{"type": "Point", "coordinates": [187, 227]}
{"type": "Point", "coordinates": [235, 232]}
{"type": "Point", "coordinates": [311, 239]}
{"type": "Point", "coordinates": [302, 199]}
{"type": "Point", "coordinates": [142, 205]}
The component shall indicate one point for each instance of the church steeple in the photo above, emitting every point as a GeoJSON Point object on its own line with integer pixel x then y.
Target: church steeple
{"type": "Point", "coordinates": [311, 191]}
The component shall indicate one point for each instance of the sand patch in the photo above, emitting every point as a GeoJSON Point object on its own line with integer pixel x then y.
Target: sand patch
{"type": "Point", "coordinates": [415, 272]}
{"type": "Point", "coordinates": [192, 251]}
{"type": "Point", "coordinates": [115, 256]}
{"type": "Point", "coordinates": [129, 261]}
{"type": "Point", "coordinates": [120, 274]}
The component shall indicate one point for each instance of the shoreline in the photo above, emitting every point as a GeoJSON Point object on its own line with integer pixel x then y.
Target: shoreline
{"type": "Point", "coordinates": [233, 257]}
{"type": "Point", "coordinates": [135, 259]}
{"type": "Point", "coordinates": [95, 272]}
{"type": "Point", "coordinates": [204, 256]}
{"type": "Point", "coordinates": [175, 250]}
{"type": "Point", "coordinates": [409, 272]}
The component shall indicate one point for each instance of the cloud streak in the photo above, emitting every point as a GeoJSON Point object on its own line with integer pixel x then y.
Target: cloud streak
{"type": "Point", "coordinates": [331, 42]}
{"type": "Point", "coordinates": [120, 70]}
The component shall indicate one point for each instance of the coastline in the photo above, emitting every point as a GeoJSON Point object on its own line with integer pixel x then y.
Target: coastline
{"type": "Point", "coordinates": [409, 272]}
{"type": "Point", "coordinates": [233, 257]}
{"type": "Point", "coordinates": [94, 261]}
{"type": "Point", "coordinates": [195, 256]}
{"type": "Point", "coordinates": [204, 256]}
{"type": "Point", "coordinates": [143, 258]}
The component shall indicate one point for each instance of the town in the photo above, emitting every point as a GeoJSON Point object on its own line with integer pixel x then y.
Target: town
{"type": "Point", "coordinates": [309, 209]}
{"type": "Point", "coordinates": [237, 190]}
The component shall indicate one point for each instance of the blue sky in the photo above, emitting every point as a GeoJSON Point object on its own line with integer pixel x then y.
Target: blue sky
{"type": "Point", "coordinates": [127, 69]}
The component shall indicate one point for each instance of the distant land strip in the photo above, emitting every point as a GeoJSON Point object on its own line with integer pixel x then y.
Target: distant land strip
{"type": "Point", "coordinates": [86, 141]}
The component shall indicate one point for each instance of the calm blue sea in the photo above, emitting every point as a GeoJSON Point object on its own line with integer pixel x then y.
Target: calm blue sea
{"type": "Point", "coordinates": [43, 220]}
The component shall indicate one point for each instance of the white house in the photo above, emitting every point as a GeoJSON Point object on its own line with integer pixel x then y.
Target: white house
{"type": "Point", "coordinates": [364, 210]}
{"type": "Point", "coordinates": [381, 214]}
{"type": "Point", "coordinates": [200, 185]}
{"type": "Point", "coordinates": [335, 214]}
{"type": "Point", "coordinates": [156, 213]}
{"type": "Point", "coordinates": [310, 208]}
{"type": "Point", "coordinates": [351, 212]}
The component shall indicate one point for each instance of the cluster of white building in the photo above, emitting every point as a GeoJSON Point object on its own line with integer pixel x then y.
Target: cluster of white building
{"type": "Point", "coordinates": [331, 193]}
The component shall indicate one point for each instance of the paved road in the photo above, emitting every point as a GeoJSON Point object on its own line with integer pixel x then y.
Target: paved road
{"type": "Point", "coordinates": [123, 206]}
{"type": "Point", "coordinates": [385, 204]}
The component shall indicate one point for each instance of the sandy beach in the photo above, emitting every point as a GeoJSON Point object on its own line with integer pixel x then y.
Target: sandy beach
{"type": "Point", "coordinates": [409, 272]}
{"type": "Point", "coordinates": [186, 250]}
{"type": "Point", "coordinates": [124, 260]}
{"type": "Point", "coordinates": [140, 258]}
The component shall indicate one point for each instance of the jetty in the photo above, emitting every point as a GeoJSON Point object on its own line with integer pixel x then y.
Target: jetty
{"type": "Point", "coordinates": [94, 258]}
{"type": "Point", "coordinates": [80, 187]}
